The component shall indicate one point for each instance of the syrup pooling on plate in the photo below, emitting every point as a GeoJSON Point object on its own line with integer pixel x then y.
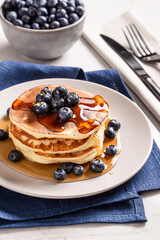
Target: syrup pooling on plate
{"type": "Point", "coordinates": [83, 123]}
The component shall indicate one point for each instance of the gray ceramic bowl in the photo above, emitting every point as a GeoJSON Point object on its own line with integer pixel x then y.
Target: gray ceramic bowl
{"type": "Point", "coordinates": [42, 44]}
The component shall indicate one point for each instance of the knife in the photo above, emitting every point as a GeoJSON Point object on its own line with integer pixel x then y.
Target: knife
{"type": "Point", "coordinates": [134, 65]}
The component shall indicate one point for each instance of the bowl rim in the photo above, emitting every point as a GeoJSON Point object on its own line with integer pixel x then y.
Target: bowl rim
{"type": "Point", "coordinates": [40, 31]}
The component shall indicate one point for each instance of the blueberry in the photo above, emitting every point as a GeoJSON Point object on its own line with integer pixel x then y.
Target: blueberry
{"type": "Point", "coordinates": [63, 22]}
{"type": "Point", "coordinates": [42, 11]}
{"type": "Point", "coordinates": [40, 20]}
{"type": "Point", "coordinates": [46, 89]}
{"type": "Point", "coordinates": [59, 91]}
{"type": "Point", "coordinates": [46, 97]}
{"type": "Point", "coordinates": [21, 4]}
{"type": "Point", "coordinates": [60, 13]}
{"type": "Point", "coordinates": [8, 111]}
{"type": "Point", "coordinates": [62, 4]}
{"type": "Point", "coordinates": [72, 99]}
{"type": "Point", "coordinates": [11, 16]}
{"type": "Point", "coordinates": [35, 26]}
{"type": "Point", "coordinates": [57, 103]}
{"type": "Point", "coordinates": [111, 150]}
{"type": "Point", "coordinates": [54, 25]}
{"type": "Point", "coordinates": [96, 165]}
{"type": "Point", "coordinates": [26, 26]}
{"type": "Point", "coordinates": [3, 134]}
{"type": "Point", "coordinates": [23, 11]}
{"type": "Point", "coordinates": [110, 132]}
{"type": "Point", "coordinates": [7, 5]}
{"type": "Point", "coordinates": [73, 17]}
{"type": "Point", "coordinates": [39, 3]}
{"type": "Point", "coordinates": [78, 170]}
{"type": "Point", "coordinates": [52, 3]}
{"type": "Point", "coordinates": [70, 10]}
{"type": "Point", "coordinates": [45, 26]}
{"type": "Point", "coordinates": [59, 174]}
{"type": "Point", "coordinates": [68, 167]}
{"type": "Point", "coordinates": [18, 23]}
{"type": "Point", "coordinates": [80, 10]}
{"type": "Point", "coordinates": [32, 11]}
{"type": "Point", "coordinates": [51, 18]}
{"type": "Point", "coordinates": [25, 19]}
{"type": "Point", "coordinates": [40, 108]}
{"type": "Point", "coordinates": [65, 114]}
{"type": "Point", "coordinates": [14, 156]}
{"type": "Point", "coordinates": [29, 3]}
{"type": "Point", "coordinates": [52, 10]}
{"type": "Point", "coordinates": [115, 124]}
{"type": "Point", "coordinates": [79, 3]}
{"type": "Point", "coordinates": [15, 2]}
{"type": "Point", "coordinates": [71, 4]}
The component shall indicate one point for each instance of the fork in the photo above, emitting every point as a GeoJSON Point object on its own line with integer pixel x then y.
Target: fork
{"type": "Point", "coordinates": [141, 49]}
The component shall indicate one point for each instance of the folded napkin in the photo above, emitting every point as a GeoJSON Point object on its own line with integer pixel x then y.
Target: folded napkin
{"type": "Point", "coordinates": [120, 205]}
{"type": "Point", "coordinates": [113, 29]}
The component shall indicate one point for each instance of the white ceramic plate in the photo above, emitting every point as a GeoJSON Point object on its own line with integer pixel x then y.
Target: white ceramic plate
{"type": "Point", "coordinates": [136, 144]}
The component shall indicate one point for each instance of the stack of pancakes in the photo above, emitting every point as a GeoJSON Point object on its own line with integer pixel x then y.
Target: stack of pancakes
{"type": "Point", "coordinates": [40, 144]}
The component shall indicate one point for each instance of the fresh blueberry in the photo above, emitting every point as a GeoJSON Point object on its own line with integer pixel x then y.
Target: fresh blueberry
{"type": "Point", "coordinates": [52, 10]}
{"type": "Point", "coordinates": [42, 11]}
{"type": "Point", "coordinates": [71, 4]}
{"type": "Point", "coordinates": [78, 170]}
{"type": "Point", "coordinates": [111, 150]}
{"type": "Point", "coordinates": [52, 3]}
{"type": "Point", "coordinates": [18, 23]}
{"type": "Point", "coordinates": [60, 13]}
{"type": "Point", "coordinates": [40, 108]}
{"type": "Point", "coordinates": [3, 134]}
{"type": "Point", "coordinates": [73, 17]}
{"type": "Point", "coordinates": [110, 132]}
{"type": "Point", "coordinates": [51, 18]}
{"type": "Point", "coordinates": [63, 22]}
{"type": "Point", "coordinates": [96, 165]}
{"type": "Point", "coordinates": [45, 26]}
{"type": "Point", "coordinates": [32, 11]}
{"type": "Point", "coordinates": [8, 111]}
{"type": "Point", "coordinates": [35, 26]}
{"type": "Point", "coordinates": [44, 97]}
{"type": "Point", "coordinates": [23, 11]}
{"type": "Point", "coordinates": [39, 3]}
{"type": "Point", "coordinates": [29, 3]}
{"type": "Point", "coordinates": [65, 114]}
{"type": "Point", "coordinates": [26, 26]}
{"type": "Point", "coordinates": [68, 167]}
{"type": "Point", "coordinates": [26, 19]}
{"type": "Point", "coordinates": [14, 156]}
{"type": "Point", "coordinates": [59, 174]}
{"type": "Point", "coordinates": [46, 89]}
{"type": "Point", "coordinates": [57, 103]}
{"type": "Point", "coordinates": [115, 124]}
{"type": "Point", "coordinates": [54, 25]}
{"type": "Point", "coordinates": [7, 5]}
{"type": "Point", "coordinates": [80, 10]}
{"type": "Point", "coordinates": [11, 16]}
{"type": "Point", "coordinates": [40, 20]}
{"type": "Point", "coordinates": [70, 10]}
{"type": "Point", "coordinates": [21, 4]}
{"type": "Point", "coordinates": [79, 3]}
{"type": "Point", "coordinates": [59, 91]}
{"type": "Point", "coordinates": [15, 2]}
{"type": "Point", "coordinates": [62, 4]}
{"type": "Point", "coordinates": [72, 99]}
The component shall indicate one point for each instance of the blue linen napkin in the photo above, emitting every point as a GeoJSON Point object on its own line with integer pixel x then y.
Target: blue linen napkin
{"type": "Point", "coordinates": [120, 205]}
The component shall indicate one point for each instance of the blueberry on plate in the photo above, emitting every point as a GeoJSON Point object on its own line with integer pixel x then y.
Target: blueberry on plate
{"type": "Point", "coordinates": [14, 156]}
{"type": "Point", "coordinates": [11, 16]}
{"type": "Point", "coordinates": [115, 124]}
{"type": "Point", "coordinates": [78, 170]}
{"type": "Point", "coordinates": [73, 17]}
{"type": "Point", "coordinates": [68, 167]}
{"type": "Point", "coordinates": [57, 103]}
{"type": "Point", "coordinates": [65, 114]}
{"type": "Point", "coordinates": [96, 165]}
{"type": "Point", "coordinates": [59, 91]}
{"type": "Point", "coordinates": [3, 134]}
{"type": "Point", "coordinates": [111, 150]}
{"type": "Point", "coordinates": [72, 99]}
{"type": "Point", "coordinates": [44, 97]}
{"type": "Point", "coordinates": [8, 111]}
{"type": "Point", "coordinates": [59, 174]}
{"type": "Point", "coordinates": [46, 89]}
{"type": "Point", "coordinates": [110, 132]}
{"type": "Point", "coordinates": [40, 108]}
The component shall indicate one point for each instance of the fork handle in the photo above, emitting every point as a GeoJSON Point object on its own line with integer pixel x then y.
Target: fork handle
{"type": "Point", "coordinates": [154, 88]}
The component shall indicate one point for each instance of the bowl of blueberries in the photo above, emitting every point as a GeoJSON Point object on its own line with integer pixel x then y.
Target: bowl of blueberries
{"type": "Point", "coordinates": [42, 29]}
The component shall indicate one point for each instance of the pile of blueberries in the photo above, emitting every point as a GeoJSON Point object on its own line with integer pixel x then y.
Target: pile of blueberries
{"type": "Point", "coordinates": [43, 14]}
{"type": "Point", "coordinates": [59, 100]}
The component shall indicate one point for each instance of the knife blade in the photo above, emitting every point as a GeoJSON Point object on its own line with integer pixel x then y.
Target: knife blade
{"type": "Point", "coordinates": [133, 64]}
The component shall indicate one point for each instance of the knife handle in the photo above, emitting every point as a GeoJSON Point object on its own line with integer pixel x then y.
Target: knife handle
{"type": "Point", "coordinates": [152, 86]}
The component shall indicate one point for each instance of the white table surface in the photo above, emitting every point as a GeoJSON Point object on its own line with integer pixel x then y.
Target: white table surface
{"type": "Point", "coordinates": [82, 55]}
